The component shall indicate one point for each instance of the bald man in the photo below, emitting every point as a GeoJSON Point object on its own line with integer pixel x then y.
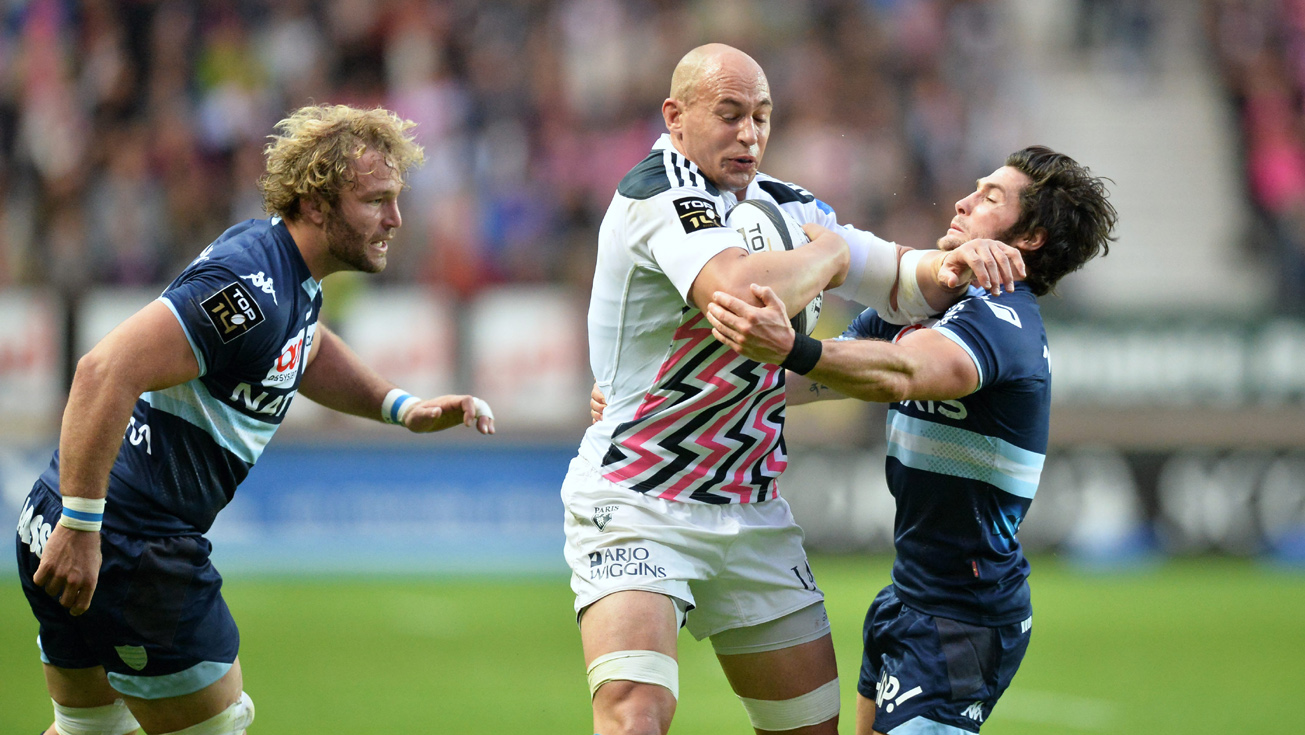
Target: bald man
{"type": "Point", "coordinates": [673, 516]}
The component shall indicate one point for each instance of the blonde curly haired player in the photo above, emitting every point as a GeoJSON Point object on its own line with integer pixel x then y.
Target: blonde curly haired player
{"type": "Point", "coordinates": [112, 554]}
{"type": "Point", "coordinates": [315, 149]}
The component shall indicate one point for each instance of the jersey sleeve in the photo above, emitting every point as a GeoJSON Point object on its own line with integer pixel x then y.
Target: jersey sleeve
{"type": "Point", "coordinates": [872, 271]}
{"type": "Point", "coordinates": [686, 233]}
{"type": "Point", "coordinates": [869, 325]}
{"type": "Point", "coordinates": [216, 311]}
{"type": "Point", "coordinates": [992, 333]}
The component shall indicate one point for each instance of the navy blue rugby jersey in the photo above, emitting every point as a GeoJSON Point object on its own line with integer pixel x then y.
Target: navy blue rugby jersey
{"type": "Point", "coordinates": [249, 308]}
{"type": "Point", "coordinates": [964, 471]}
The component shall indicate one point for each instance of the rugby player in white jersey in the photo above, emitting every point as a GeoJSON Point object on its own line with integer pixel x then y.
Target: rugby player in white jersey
{"type": "Point", "coordinates": [966, 437]}
{"type": "Point", "coordinates": [672, 512]}
{"type": "Point", "coordinates": [168, 413]}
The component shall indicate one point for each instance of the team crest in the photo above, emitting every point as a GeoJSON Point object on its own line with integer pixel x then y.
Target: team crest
{"type": "Point", "coordinates": [603, 515]}
{"type": "Point", "coordinates": [133, 656]}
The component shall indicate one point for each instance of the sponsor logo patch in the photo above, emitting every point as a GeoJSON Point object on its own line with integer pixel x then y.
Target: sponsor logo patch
{"type": "Point", "coordinates": [603, 515]}
{"type": "Point", "coordinates": [1004, 313]}
{"type": "Point", "coordinates": [133, 656]}
{"type": "Point", "coordinates": [696, 213]}
{"type": "Point", "coordinates": [232, 311]}
{"type": "Point", "coordinates": [288, 362]}
{"type": "Point", "coordinates": [634, 562]}
{"type": "Point", "coordinates": [32, 529]}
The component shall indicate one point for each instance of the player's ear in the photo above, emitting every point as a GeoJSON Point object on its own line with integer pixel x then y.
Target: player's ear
{"type": "Point", "coordinates": [314, 209]}
{"type": "Point", "coordinates": [1033, 240]}
{"type": "Point", "coordinates": [673, 114]}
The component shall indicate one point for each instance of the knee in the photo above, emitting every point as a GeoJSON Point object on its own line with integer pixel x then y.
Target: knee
{"type": "Point", "coordinates": [633, 708]}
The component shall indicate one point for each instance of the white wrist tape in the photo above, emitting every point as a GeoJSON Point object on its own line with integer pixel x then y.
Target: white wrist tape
{"type": "Point", "coordinates": [482, 408]}
{"type": "Point", "coordinates": [872, 271]}
{"type": "Point", "coordinates": [911, 304]}
{"type": "Point", "coordinates": [82, 514]}
{"type": "Point", "coordinates": [396, 405]}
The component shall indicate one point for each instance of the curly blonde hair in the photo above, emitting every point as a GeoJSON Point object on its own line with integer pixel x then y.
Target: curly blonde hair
{"type": "Point", "coordinates": [314, 149]}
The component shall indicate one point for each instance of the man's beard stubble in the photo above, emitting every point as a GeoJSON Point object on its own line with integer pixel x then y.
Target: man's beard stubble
{"type": "Point", "coordinates": [348, 245]}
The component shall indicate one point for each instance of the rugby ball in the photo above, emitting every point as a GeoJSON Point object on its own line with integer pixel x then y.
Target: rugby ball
{"type": "Point", "coordinates": [765, 227]}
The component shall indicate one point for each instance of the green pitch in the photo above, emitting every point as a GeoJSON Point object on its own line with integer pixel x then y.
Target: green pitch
{"type": "Point", "coordinates": [1205, 646]}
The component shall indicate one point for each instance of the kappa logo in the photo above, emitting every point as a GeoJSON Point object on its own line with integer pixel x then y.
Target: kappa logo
{"type": "Point", "coordinates": [259, 281]}
{"type": "Point", "coordinates": [603, 515]}
{"type": "Point", "coordinates": [133, 656]}
{"type": "Point", "coordinates": [974, 712]}
{"type": "Point", "coordinates": [232, 311]}
{"type": "Point", "coordinates": [696, 213]}
{"type": "Point", "coordinates": [204, 255]}
{"type": "Point", "coordinates": [32, 529]}
{"type": "Point", "coordinates": [1004, 313]}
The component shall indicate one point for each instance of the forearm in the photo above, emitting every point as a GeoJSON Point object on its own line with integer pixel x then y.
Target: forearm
{"type": "Point", "coordinates": [869, 370]}
{"type": "Point", "coordinates": [801, 389]}
{"type": "Point", "coordinates": [796, 276]}
{"type": "Point", "coordinates": [94, 421]}
{"type": "Point", "coordinates": [338, 379]}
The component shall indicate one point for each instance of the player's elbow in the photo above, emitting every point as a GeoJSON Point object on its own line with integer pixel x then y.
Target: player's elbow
{"type": "Point", "coordinates": [103, 367]}
{"type": "Point", "coordinates": [94, 368]}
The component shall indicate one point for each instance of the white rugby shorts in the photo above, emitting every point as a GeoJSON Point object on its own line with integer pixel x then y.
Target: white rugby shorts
{"type": "Point", "coordinates": [735, 565]}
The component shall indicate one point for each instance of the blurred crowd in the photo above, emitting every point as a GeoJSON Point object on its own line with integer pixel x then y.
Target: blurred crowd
{"type": "Point", "coordinates": [131, 132]}
{"type": "Point", "coordinates": [1260, 48]}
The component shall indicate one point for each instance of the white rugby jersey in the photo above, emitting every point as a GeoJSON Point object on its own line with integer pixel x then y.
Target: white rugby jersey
{"type": "Point", "coordinates": [687, 418]}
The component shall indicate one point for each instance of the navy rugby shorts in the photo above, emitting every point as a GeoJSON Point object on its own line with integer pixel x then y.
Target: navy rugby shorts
{"type": "Point", "coordinates": [934, 675]}
{"type": "Point", "coordinates": [157, 623]}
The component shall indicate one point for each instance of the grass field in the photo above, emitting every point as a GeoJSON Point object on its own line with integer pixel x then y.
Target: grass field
{"type": "Point", "coordinates": [1204, 646]}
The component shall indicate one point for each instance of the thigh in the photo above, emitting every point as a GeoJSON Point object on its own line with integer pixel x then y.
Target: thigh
{"type": "Point", "coordinates": [784, 673]}
{"type": "Point", "coordinates": [88, 687]}
{"type": "Point", "coordinates": [171, 714]}
{"type": "Point", "coordinates": [631, 620]}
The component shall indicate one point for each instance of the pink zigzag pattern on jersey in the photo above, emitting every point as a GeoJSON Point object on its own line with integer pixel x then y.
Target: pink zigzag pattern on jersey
{"type": "Point", "coordinates": [709, 439]}
{"type": "Point", "coordinates": [764, 452]}
{"type": "Point", "coordinates": [717, 389]}
{"type": "Point", "coordinates": [693, 336]}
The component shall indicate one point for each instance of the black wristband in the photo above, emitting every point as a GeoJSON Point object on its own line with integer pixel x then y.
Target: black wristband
{"type": "Point", "coordinates": [804, 355]}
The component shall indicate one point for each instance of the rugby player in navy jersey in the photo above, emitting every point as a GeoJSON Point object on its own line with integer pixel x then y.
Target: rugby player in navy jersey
{"type": "Point", "coordinates": [966, 433]}
{"type": "Point", "coordinates": [168, 413]}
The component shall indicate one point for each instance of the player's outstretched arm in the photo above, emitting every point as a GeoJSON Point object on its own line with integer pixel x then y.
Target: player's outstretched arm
{"type": "Point", "coordinates": [797, 275]}
{"type": "Point", "coordinates": [923, 365]}
{"type": "Point", "coordinates": [147, 352]}
{"type": "Point", "coordinates": [337, 378]}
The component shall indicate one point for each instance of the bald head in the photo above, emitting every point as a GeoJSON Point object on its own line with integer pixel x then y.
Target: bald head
{"type": "Point", "coordinates": [704, 67]}
{"type": "Point", "coordinates": [718, 114]}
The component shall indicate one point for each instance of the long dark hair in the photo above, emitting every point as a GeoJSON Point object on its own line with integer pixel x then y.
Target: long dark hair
{"type": "Point", "coordinates": [1069, 203]}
